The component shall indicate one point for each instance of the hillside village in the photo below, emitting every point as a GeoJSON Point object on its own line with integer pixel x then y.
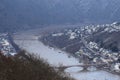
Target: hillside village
{"type": "Point", "coordinates": [81, 40]}
{"type": "Point", "coordinates": [6, 46]}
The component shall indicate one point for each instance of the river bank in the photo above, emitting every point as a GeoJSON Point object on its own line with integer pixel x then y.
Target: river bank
{"type": "Point", "coordinates": [57, 57]}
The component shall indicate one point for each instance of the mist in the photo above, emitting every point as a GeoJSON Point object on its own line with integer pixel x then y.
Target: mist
{"type": "Point", "coordinates": [24, 14]}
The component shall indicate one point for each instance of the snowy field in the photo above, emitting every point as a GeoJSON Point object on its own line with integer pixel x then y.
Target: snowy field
{"type": "Point", "coordinates": [57, 57]}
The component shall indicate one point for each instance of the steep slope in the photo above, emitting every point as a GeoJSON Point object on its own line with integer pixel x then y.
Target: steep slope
{"type": "Point", "coordinates": [24, 67]}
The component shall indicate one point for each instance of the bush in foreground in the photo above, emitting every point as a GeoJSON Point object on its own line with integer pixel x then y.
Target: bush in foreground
{"type": "Point", "coordinates": [27, 67]}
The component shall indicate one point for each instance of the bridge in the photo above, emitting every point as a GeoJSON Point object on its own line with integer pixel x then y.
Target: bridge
{"type": "Point", "coordinates": [85, 66]}
{"type": "Point", "coordinates": [30, 38]}
{"type": "Point", "coordinates": [26, 39]}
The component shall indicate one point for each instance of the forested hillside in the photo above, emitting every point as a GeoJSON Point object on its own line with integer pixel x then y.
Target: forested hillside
{"type": "Point", "coordinates": [27, 67]}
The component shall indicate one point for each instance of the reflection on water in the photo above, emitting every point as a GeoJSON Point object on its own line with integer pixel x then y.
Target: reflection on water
{"type": "Point", "coordinates": [95, 75]}
{"type": "Point", "coordinates": [92, 68]}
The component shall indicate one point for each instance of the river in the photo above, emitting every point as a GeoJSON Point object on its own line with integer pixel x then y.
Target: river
{"type": "Point", "coordinates": [56, 57]}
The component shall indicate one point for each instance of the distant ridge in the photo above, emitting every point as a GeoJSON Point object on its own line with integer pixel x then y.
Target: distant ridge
{"type": "Point", "coordinates": [24, 14]}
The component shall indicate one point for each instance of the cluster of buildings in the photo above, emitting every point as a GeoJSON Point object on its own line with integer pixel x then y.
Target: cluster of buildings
{"type": "Point", "coordinates": [91, 49]}
{"type": "Point", "coordinates": [6, 47]}
{"type": "Point", "coordinates": [101, 55]}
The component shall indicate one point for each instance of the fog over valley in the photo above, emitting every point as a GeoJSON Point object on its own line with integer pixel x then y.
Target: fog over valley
{"type": "Point", "coordinates": [19, 14]}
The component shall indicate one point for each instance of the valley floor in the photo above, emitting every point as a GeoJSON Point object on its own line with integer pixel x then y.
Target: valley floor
{"type": "Point", "coordinates": [57, 57]}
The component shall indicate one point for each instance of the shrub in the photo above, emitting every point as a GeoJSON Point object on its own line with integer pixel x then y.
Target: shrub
{"type": "Point", "coordinates": [27, 67]}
